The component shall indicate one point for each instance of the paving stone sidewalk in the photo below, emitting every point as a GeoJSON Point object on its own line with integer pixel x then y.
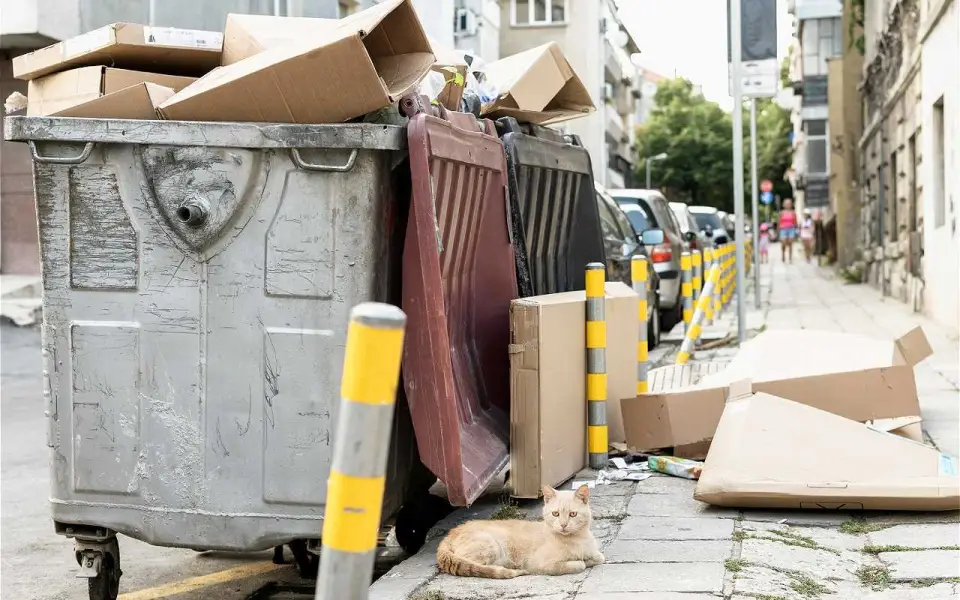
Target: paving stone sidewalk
{"type": "Point", "coordinates": [661, 544]}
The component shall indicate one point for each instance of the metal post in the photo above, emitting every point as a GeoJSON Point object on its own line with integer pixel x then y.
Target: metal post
{"type": "Point", "coordinates": [708, 263]}
{"type": "Point", "coordinates": [690, 340]}
{"type": "Point", "coordinates": [686, 288]}
{"type": "Point", "coordinates": [647, 161]}
{"type": "Point", "coordinates": [151, 13]}
{"type": "Point", "coordinates": [597, 441]}
{"type": "Point", "coordinates": [756, 201]}
{"type": "Point", "coordinates": [368, 389]}
{"type": "Point", "coordinates": [736, 46]}
{"type": "Point", "coordinates": [638, 275]}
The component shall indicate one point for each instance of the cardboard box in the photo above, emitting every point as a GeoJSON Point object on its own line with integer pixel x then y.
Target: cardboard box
{"type": "Point", "coordinates": [101, 92]}
{"type": "Point", "coordinates": [771, 452]}
{"type": "Point", "coordinates": [537, 86]}
{"type": "Point", "coordinates": [127, 45]}
{"type": "Point", "coordinates": [248, 35]}
{"type": "Point", "coordinates": [453, 67]}
{"type": "Point", "coordinates": [548, 407]}
{"type": "Point", "coordinates": [369, 60]}
{"type": "Point", "coordinates": [856, 377]}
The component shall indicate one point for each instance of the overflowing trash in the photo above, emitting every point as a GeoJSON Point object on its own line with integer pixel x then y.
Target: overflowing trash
{"type": "Point", "coordinates": [678, 467]}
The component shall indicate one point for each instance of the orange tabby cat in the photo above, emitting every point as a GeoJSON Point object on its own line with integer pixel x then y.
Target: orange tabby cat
{"type": "Point", "coordinates": [561, 544]}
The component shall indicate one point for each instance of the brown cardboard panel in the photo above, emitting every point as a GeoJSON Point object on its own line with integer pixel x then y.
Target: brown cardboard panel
{"type": "Point", "coordinates": [127, 45]}
{"type": "Point", "coordinates": [368, 61]}
{"type": "Point", "coordinates": [774, 453]}
{"type": "Point", "coordinates": [548, 382]}
{"type": "Point", "coordinates": [247, 35]}
{"type": "Point", "coordinates": [135, 102]}
{"type": "Point", "coordinates": [537, 86]}
{"type": "Point", "coordinates": [54, 94]}
{"type": "Point", "coordinates": [852, 376]}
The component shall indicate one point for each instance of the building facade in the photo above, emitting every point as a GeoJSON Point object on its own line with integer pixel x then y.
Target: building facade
{"type": "Point", "coordinates": [648, 84]}
{"type": "Point", "coordinates": [476, 27]}
{"type": "Point", "coordinates": [599, 49]}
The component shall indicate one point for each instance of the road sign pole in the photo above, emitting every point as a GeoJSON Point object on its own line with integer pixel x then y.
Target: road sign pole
{"type": "Point", "coordinates": [756, 201]}
{"type": "Point", "coordinates": [736, 46]}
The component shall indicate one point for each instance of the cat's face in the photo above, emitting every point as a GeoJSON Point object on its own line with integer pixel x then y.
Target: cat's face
{"type": "Point", "coordinates": [566, 512]}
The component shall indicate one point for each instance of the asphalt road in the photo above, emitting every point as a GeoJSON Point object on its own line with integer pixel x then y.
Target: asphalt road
{"type": "Point", "coordinates": [38, 564]}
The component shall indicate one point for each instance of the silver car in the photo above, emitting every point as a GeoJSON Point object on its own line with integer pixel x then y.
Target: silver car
{"type": "Point", "coordinates": [650, 209]}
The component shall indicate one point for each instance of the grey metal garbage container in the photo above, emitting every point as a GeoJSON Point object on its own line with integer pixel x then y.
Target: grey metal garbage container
{"type": "Point", "coordinates": [197, 283]}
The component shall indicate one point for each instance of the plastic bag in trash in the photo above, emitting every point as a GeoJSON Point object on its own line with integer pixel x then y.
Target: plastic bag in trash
{"type": "Point", "coordinates": [678, 467]}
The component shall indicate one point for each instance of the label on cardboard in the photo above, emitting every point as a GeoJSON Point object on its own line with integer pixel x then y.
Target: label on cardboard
{"type": "Point", "coordinates": [948, 466]}
{"type": "Point", "coordinates": [86, 42]}
{"type": "Point", "coordinates": [186, 38]}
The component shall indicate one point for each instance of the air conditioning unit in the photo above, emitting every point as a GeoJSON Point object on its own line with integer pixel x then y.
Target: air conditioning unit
{"type": "Point", "coordinates": [465, 22]}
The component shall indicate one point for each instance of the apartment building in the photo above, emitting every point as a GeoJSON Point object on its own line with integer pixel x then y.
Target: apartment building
{"type": "Point", "coordinates": [648, 83]}
{"type": "Point", "coordinates": [599, 48]}
{"type": "Point", "coordinates": [476, 28]}
{"type": "Point", "coordinates": [818, 37]}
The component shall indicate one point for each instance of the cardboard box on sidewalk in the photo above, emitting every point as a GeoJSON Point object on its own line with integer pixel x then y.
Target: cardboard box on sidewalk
{"type": "Point", "coordinates": [362, 64]}
{"type": "Point", "coordinates": [548, 407]}
{"type": "Point", "coordinates": [127, 45]}
{"type": "Point", "coordinates": [102, 92]}
{"type": "Point", "coordinates": [537, 86]}
{"type": "Point", "coordinates": [853, 376]}
{"type": "Point", "coordinates": [771, 452]}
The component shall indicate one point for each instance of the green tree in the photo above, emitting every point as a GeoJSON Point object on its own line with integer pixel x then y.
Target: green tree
{"type": "Point", "coordinates": [696, 135]}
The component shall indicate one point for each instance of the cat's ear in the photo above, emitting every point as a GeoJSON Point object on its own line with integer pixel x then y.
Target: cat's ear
{"type": "Point", "coordinates": [582, 494]}
{"type": "Point", "coordinates": [549, 494]}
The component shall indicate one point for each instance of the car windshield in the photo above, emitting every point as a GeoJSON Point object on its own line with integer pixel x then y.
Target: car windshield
{"type": "Point", "coordinates": [707, 218]}
{"type": "Point", "coordinates": [637, 216]}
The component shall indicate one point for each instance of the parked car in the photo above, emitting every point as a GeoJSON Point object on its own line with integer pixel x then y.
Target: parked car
{"type": "Point", "coordinates": [688, 223]}
{"type": "Point", "coordinates": [729, 223]}
{"type": "Point", "coordinates": [622, 241]}
{"type": "Point", "coordinates": [710, 223]}
{"type": "Point", "coordinates": [649, 208]}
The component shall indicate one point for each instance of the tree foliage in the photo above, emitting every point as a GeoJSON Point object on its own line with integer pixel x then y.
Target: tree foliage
{"type": "Point", "coordinates": [696, 135]}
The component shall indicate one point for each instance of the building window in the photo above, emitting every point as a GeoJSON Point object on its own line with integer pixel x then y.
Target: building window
{"type": "Point", "coordinates": [893, 230]}
{"type": "Point", "coordinates": [822, 39]}
{"type": "Point", "coordinates": [346, 8]}
{"type": "Point", "coordinates": [539, 12]}
{"type": "Point", "coordinates": [815, 134]}
{"type": "Point", "coordinates": [939, 165]}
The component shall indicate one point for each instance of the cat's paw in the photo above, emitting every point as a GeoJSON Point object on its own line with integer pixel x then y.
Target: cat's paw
{"type": "Point", "coordinates": [595, 559]}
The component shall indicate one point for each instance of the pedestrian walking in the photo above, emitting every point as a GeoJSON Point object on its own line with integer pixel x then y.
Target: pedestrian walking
{"type": "Point", "coordinates": [788, 230]}
{"type": "Point", "coordinates": [806, 235]}
{"type": "Point", "coordinates": [763, 243]}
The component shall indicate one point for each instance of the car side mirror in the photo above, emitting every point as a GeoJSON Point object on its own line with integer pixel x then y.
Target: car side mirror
{"type": "Point", "coordinates": [652, 237]}
{"type": "Point", "coordinates": [690, 236]}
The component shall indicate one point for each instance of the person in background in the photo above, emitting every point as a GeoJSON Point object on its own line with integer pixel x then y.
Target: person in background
{"type": "Point", "coordinates": [763, 243]}
{"type": "Point", "coordinates": [806, 235]}
{"type": "Point", "coordinates": [788, 230]}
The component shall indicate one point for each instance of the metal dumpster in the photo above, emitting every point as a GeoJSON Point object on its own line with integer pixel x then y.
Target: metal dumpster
{"type": "Point", "coordinates": [197, 283]}
{"type": "Point", "coordinates": [553, 206]}
{"type": "Point", "coordinates": [458, 281]}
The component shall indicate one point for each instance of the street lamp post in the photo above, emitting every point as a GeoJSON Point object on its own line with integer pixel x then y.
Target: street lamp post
{"type": "Point", "coordinates": [649, 160]}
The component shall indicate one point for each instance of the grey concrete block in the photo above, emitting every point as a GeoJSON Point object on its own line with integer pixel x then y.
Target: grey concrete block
{"type": "Point", "coordinates": [807, 517]}
{"type": "Point", "coordinates": [665, 484]}
{"type": "Point", "coordinates": [668, 551]}
{"type": "Point", "coordinates": [920, 535]}
{"type": "Point", "coordinates": [393, 588]}
{"type": "Point", "coordinates": [644, 596]}
{"type": "Point", "coordinates": [675, 528]}
{"type": "Point", "coordinates": [473, 588]}
{"type": "Point", "coordinates": [939, 591]}
{"type": "Point", "coordinates": [922, 564]}
{"type": "Point", "coordinates": [823, 536]}
{"type": "Point", "coordinates": [671, 505]}
{"type": "Point", "coordinates": [753, 581]}
{"type": "Point", "coordinates": [609, 507]}
{"type": "Point", "coordinates": [910, 518]}
{"type": "Point", "coordinates": [819, 563]}
{"type": "Point", "coordinates": [656, 577]}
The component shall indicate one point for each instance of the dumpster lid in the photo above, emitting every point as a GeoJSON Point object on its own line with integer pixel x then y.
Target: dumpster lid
{"type": "Point", "coordinates": [364, 136]}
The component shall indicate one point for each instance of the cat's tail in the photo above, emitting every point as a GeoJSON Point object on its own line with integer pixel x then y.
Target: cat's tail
{"type": "Point", "coordinates": [450, 563]}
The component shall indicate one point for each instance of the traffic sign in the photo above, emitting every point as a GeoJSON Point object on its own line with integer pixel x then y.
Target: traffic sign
{"type": "Point", "coordinates": [766, 185]}
{"type": "Point", "coordinates": [766, 197]}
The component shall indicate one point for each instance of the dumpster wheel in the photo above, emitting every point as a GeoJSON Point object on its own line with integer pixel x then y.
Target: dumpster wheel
{"type": "Point", "coordinates": [106, 585]}
{"type": "Point", "coordinates": [100, 564]}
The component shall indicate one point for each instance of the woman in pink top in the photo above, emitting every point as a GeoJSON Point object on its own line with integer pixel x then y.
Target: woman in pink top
{"type": "Point", "coordinates": [788, 230]}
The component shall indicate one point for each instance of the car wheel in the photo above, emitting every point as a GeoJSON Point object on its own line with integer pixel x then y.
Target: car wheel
{"type": "Point", "coordinates": [653, 331]}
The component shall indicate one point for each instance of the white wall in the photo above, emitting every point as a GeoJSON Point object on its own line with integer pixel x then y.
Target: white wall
{"type": "Point", "coordinates": [437, 19]}
{"type": "Point", "coordinates": [941, 78]}
{"type": "Point", "coordinates": [56, 19]}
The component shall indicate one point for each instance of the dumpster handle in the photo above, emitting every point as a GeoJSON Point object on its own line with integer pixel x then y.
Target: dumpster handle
{"type": "Point", "coordinates": [61, 160]}
{"type": "Point", "coordinates": [298, 160]}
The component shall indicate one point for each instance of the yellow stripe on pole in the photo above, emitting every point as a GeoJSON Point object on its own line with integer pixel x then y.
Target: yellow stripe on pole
{"type": "Point", "coordinates": [686, 263]}
{"type": "Point", "coordinates": [638, 270]}
{"type": "Point", "coordinates": [371, 364]}
{"type": "Point", "coordinates": [352, 516]}
{"type": "Point", "coordinates": [695, 331]}
{"type": "Point", "coordinates": [597, 441]}
{"type": "Point", "coordinates": [686, 289]}
{"type": "Point", "coordinates": [682, 357]}
{"type": "Point", "coordinates": [642, 308]}
{"type": "Point", "coordinates": [596, 386]}
{"type": "Point", "coordinates": [642, 351]}
{"type": "Point", "coordinates": [595, 283]}
{"type": "Point", "coordinates": [596, 334]}
{"type": "Point", "coordinates": [642, 387]}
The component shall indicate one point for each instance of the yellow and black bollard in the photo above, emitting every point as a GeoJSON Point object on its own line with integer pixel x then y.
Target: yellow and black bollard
{"type": "Point", "coordinates": [690, 339]}
{"type": "Point", "coordinates": [686, 288]}
{"type": "Point", "coordinates": [597, 439]}
{"type": "Point", "coordinates": [368, 389]}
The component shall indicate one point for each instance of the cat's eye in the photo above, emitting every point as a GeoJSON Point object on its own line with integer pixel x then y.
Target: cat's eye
{"type": "Point", "coordinates": [556, 513]}
{"type": "Point", "coordinates": [573, 514]}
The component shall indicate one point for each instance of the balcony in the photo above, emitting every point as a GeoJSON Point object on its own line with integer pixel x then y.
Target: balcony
{"type": "Point", "coordinates": [613, 71]}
